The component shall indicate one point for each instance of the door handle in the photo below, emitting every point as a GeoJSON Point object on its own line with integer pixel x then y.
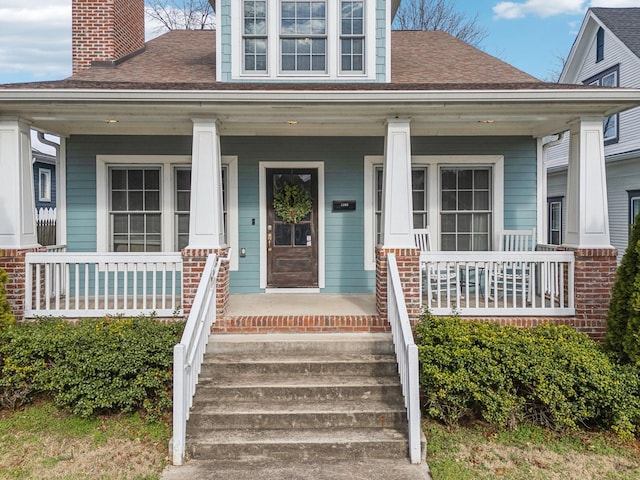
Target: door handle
{"type": "Point", "coordinates": [269, 238]}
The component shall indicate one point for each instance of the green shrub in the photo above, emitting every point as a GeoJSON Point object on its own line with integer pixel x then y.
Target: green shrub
{"type": "Point", "coordinates": [100, 365]}
{"type": "Point", "coordinates": [623, 321]}
{"type": "Point", "coordinates": [548, 375]}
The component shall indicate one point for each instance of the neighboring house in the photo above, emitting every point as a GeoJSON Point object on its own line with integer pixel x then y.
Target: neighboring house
{"type": "Point", "coordinates": [183, 146]}
{"type": "Point", "coordinates": [606, 53]}
{"type": "Point", "coordinates": [44, 179]}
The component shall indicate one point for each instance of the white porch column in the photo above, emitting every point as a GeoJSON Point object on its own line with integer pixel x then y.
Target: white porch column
{"type": "Point", "coordinates": [397, 204]}
{"type": "Point", "coordinates": [17, 202]}
{"type": "Point", "coordinates": [587, 211]}
{"type": "Point", "coordinates": [206, 222]}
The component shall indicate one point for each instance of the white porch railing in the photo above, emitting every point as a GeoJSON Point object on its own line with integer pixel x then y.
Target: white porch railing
{"type": "Point", "coordinates": [406, 353]}
{"type": "Point", "coordinates": [96, 284]}
{"type": "Point", "coordinates": [189, 353]}
{"type": "Point", "coordinates": [537, 283]}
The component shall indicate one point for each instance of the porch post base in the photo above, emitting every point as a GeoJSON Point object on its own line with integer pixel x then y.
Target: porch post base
{"type": "Point", "coordinates": [193, 263]}
{"type": "Point", "coordinates": [408, 260]}
{"type": "Point", "coordinates": [12, 261]}
{"type": "Point", "coordinates": [595, 274]}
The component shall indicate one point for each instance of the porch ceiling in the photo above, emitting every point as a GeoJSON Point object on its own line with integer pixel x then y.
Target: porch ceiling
{"type": "Point", "coordinates": [530, 113]}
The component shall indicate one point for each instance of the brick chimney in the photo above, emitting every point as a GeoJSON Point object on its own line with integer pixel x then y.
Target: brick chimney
{"type": "Point", "coordinates": [105, 32]}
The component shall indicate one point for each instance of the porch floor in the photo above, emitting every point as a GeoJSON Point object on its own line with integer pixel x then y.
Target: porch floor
{"type": "Point", "coordinates": [290, 304]}
{"type": "Point", "coordinates": [300, 313]}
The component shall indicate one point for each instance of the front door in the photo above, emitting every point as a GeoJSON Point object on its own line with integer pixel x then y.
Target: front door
{"type": "Point", "coordinates": [292, 228]}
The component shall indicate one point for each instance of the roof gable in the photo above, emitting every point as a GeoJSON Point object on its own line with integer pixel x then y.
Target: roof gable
{"type": "Point", "coordinates": [624, 23]}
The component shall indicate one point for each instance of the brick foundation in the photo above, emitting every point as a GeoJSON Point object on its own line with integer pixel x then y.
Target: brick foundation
{"type": "Point", "coordinates": [13, 262]}
{"type": "Point", "coordinates": [194, 261]}
{"type": "Point", "coordinates": [408, 260]}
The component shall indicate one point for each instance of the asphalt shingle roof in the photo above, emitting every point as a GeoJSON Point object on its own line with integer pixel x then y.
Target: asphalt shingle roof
{"type": "Point", "coordinates": [624, 23]}
{"type": "Point", "coordinates": [185, 60]}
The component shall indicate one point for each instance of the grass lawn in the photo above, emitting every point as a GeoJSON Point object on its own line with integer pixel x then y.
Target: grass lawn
{"type": "Point", "coordinates": [41, 442]}
{"type": "Point", "coordinates": [531, 453]}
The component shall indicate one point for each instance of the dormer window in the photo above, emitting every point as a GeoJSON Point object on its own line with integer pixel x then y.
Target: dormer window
{"type": "Point", "coordinates": [352, 37]}
{"type": "Point", "coordinates": [302, 40]}
{"type": "Point", "coordinates": [303, 36]}
{"type": "Point", "coordinates": [254, 37]}
{"type": "Point", "coordinates": [600, 45]}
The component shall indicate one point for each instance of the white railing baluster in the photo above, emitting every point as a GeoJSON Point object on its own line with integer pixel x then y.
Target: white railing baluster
{"type": "Point", "coordinates": [499, 283]}
{"type": "Point", "coordinates": [105, 289]}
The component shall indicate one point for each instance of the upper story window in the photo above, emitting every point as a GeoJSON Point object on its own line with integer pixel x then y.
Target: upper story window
{"type": "Point", "coordinates": [608, 78]}
{"type": "Point", "coordinates": [352, 37]}
{"type": "Point", "coordinates": [600, 45]}
{"type": "Point", "coordinates": [301, 39]}
{"type": "Point", "coordinates": [254, 35]}
{"type": "Point", "coordinates": [303, 36]}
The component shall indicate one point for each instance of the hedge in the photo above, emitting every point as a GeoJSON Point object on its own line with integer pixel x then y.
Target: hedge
{"type": "Point", "coordinates": [548, 375]}
{"type": "Point", "coordinates": [97, 366]}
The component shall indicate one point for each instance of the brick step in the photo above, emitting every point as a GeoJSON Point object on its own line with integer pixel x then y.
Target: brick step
{"type": "Point", "coordinates": [299, 444]}
{"type": "Point", "coordinates": [298, 415]}
{"type": "Point", "coordinates": [300, 324]}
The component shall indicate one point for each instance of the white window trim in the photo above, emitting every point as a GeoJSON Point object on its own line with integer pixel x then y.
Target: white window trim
{"type": "Point", "coordinates": [433, 164]}
{"type": "Point", "coordinates": [167, 164]}
{"type": "Point", "coordinates": [274, 72]}
{"type": "Point", "coordinates": [44, 191]}
{"type": "Point", "coordinates": [263, 217]}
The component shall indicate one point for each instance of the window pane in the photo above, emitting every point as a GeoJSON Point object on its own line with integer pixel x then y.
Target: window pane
{"type": "Point", "coordinates": [282, 234]}
{"type": "Point", "coordinates": [120, 223]}
{"type": "Point", "coordinates": [481, 179]}
{"type": "Point", "coordinates": [152, 201]}
{"type": "Point", "coordinates": [449, 201]}
{"type": "Point", "coordinates": [118, 179]}
{"type": "Point", "coordinates": [118, 201]}
{"type": "Point", "coordinates": [481, 201]}
{"type": "Point", "coordinates": [135, 179]}
{"type": "Point", "coordinates": [302, 231]}
{"type": "Point", "coordinates": [464, 223]}
{"type": "Point", "coordinates": [183, 179]}
{"type": "Point", "coordinates": [136, 201]}
{"type": "Point", "coordinates": [480, 243]}
{"type": "Point", "coordinates": [465, 200]}
{"type": "Point", "coordinates": [136, 223]}
{"type": "Point", "coordinates": [448, 223]}
{"type": "Point", "coordinates": [153, 223]}
{"type": "Point", "coordinates": [449, 179]}
{"type": "Point", "coordinates": [465, 179]}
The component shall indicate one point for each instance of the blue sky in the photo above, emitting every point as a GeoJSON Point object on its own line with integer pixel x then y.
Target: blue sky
{"type": "Point", "coordinates": [35, 40]}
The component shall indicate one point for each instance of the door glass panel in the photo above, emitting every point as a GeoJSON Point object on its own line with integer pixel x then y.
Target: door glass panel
{"type": "Point", "coordinates": [303, 234]}
{"type": "Point", "coordinates": [282, 234]}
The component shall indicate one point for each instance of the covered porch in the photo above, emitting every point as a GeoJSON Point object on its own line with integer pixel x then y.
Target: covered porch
{"type": "Point", "coordinates": [499, 132]}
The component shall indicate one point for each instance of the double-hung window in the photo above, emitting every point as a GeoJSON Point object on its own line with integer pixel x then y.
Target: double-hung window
{"type": "Point", "coordinates": [608, 78]}
{"type": "Point", "coordinates": [135, 212]}
{"type": "Point", "coordinates": [555, 220]}
{"type": "Point", "coordinates": [418, 195]}
{"type": "Point", "coordinates": [254, 35]}
{"type": "Point", "coordinates": [44, 184]}
{"type": "Point", "coordinates": [352, 36]}
{"type": "Point", "coordinates": [465, 208]}
{"type": "Point", "coordinates": [634, 207]}
{"type": "Point", "coordinates": [303, 36]}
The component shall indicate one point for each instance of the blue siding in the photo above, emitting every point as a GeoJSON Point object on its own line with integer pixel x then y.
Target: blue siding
{"type": "Point", "coordinates": [519, 169]}
{"type": "Point", "coordinates": [344, 176]}
{"type": "Point", "coordinates": [224, 30]}
{"type": "Point", "coordinates": [36, 184]}
{"type": "Point", "coordinates": [381, 41]}
{"type": "Point", "coordinates": [81, 177]}
{"type": "Point", "coordinates": [343, 159]}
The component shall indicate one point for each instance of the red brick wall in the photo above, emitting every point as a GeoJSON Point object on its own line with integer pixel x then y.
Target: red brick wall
{"type": "Point", "coordinates": [105, 30]}
{"type": "Point", "coordinates": [194, 261]}
{"type": "Point", "coordinates": [408, 260]}
{"type": "Point", "coordinates": [13, 262]}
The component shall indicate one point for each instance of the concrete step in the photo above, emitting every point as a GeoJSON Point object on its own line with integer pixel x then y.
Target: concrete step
{"type": "Point", "coordinates": [299, 444]}
{"type": "Point", "coordinates": [208, 394]}
{"type": "Point", "coordinates": [299, 380]}
{"type": "Point", "coordinates": [338, 364]}
{"type": "Point", "coordinates": [298, 415]}
{"type": "Point", "coordinates": [371, 469]}
{"type": "Point", "coordinates": [305, 344]}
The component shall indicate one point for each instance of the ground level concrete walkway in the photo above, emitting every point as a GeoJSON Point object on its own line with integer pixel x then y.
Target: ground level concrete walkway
{"type": "Point", "coordinates": [400, 469]}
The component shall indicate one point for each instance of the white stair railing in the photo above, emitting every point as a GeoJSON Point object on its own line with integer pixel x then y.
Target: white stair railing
{"type": "Point", "coordinates": [406, 354]}
{"type": "Point", "coordinates": [188, 355]}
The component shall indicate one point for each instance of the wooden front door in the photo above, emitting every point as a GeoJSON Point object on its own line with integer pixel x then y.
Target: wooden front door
{"type": "Point", "coordinates": [292, 246]}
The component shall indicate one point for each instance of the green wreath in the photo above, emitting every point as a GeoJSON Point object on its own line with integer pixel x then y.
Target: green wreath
{"type": "Point", "coordinates": [292, 203]}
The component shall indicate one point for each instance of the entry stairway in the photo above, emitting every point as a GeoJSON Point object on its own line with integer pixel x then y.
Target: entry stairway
{"type": "Point", "coordinates": [298, 406]}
